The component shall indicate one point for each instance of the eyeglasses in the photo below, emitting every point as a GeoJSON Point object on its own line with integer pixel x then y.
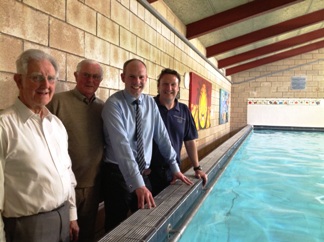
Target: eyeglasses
{"type": "Point", "coordinates": [96, 77]}
{"type": "Point", "coordinates": [41, 78]}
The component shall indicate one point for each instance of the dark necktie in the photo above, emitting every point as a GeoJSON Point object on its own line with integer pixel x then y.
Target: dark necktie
{"type": "Point", "coordinates": [139, 137]}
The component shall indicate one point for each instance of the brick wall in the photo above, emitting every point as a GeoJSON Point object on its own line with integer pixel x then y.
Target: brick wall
{"type": "Point", "coordinates": [112, 31]}
{"type": "Point", "coordinates": [109, 31]}
{"type": "Point", "coordinates": [274, 81]}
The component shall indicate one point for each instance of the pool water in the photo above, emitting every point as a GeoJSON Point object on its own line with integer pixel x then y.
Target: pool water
{"type": "Point", "coordinates": [271, 191]}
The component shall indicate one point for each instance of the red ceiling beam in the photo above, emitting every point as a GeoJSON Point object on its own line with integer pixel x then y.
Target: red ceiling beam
{"type": "Point", "coordinates": [268, 32]}
{"type": "Point", "coordinates": [234, 15]}
{"type": "Point", "coordinates": [277, 57]}
{"type": "Point", "coordinates": [284, 44]}
{"type": "Point", "coordinates": [151, 1]}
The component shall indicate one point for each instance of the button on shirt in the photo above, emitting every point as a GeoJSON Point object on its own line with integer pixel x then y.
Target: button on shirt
{"type": "Point", "coordinates": [35, 164]}
{"type": "Point", "coordinates": [119, 130]}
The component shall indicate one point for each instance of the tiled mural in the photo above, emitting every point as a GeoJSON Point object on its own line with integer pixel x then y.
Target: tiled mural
{"type": "Point", "coordinates": [287, 101]}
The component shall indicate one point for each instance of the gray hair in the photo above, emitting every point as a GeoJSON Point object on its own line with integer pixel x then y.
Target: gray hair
{"type": "Point", "coordinates": [34, 54]}
{"type": "Point", "coordinates": [88, 61]}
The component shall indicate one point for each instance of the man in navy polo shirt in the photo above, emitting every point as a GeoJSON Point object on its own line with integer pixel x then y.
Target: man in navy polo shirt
{"type": "Point", "coordinates": [181, 128]}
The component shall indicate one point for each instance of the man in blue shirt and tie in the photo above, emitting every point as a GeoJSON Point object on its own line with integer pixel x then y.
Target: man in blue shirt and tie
{"type": "Point", "coordinates": [125, 187]}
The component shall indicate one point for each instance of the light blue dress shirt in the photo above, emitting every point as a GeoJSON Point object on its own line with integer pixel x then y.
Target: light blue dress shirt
{"type": "Point", "coordinates": [119, 129]}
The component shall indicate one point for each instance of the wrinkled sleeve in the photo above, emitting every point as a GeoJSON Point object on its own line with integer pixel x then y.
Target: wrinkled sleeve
{"type": "Point", "coordinates": [67, 160]}
{"type": "Point", "coordinates": [53, 108]}
{"type": "Point", "coordinates": [2, 233]}
{"type": "Point", "coordinates": [73, 209]}
{"type": "Point", "coordinates": [72, 199]}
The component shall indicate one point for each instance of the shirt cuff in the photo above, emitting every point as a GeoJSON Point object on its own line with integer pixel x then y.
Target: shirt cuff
{"type": "Point", "coordinates": [73, 214]}
{"type": "Point", "coordinates": [2, 233]}
{"type": "Point", "coordinates": [174, 168]}
{"type": "Point", "coordinates": [135, 183]}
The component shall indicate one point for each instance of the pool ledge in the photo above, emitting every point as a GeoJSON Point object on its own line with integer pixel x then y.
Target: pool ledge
{"type": "Point", "coordinates": [174, 203]}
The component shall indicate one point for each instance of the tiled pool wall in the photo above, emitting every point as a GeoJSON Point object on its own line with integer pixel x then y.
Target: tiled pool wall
{"type": "Point", "coordinates": [288, 128]}
{"type": "Point", "coordinates": [175, 204]}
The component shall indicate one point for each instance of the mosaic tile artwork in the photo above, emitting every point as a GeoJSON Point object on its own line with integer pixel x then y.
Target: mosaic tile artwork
{"type": "Point", "coordinates": [288, 101]}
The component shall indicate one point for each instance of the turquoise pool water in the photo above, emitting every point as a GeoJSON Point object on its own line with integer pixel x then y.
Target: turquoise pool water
{"type": "Point", "coordinates": [271, 191]}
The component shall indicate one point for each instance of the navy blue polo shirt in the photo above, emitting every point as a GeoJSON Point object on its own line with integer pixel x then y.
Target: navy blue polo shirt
{"type": "Point", "coordinates": [180, 125]}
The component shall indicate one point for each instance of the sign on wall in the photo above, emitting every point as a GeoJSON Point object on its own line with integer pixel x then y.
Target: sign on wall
{"type": "Point", "coordinates": [298, 82]}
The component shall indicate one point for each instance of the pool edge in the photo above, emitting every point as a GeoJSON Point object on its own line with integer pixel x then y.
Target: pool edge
{"type": "Point", "coordinates": [160, 224]}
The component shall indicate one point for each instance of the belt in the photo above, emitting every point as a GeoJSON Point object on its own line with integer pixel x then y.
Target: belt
{"type": "Point", "coordinates": [40, 213]}
{"type": "Point", "coordinates": [59, 207]}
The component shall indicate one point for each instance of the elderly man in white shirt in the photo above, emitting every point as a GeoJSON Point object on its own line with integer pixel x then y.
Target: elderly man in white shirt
{"type": "Point", "coordinates": [37, 199]}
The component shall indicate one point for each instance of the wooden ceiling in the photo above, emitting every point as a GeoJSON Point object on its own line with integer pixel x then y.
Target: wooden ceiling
{"type": "Point", "coordinates": [244, 34]}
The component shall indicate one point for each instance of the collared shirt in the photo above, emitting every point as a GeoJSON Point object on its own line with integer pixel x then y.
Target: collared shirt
{"type": "Point", "coordinates": [119, 130]}
{"type": "Point", "coordinates": [180, 126]}
{"type": "Point", "coordinates": [35, 164]}
{"type": "Point", "coordinates": [82, 120]}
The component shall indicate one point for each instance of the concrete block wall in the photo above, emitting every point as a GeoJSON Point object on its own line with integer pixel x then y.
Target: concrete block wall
{"type": "Point", "coordinates": [109, 31]}
{"type": "Point", "coordinates": [274, 81]}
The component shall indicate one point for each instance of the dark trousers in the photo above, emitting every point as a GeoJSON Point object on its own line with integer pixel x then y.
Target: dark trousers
{"type": "Point", "coordinates": [87, 201]}
{"type": "Point", "coordinates": [117, 198]}
{"type": "Point", "coordinates": [51, 226]}
{"type": "Point", "coordinates": [160, 178]}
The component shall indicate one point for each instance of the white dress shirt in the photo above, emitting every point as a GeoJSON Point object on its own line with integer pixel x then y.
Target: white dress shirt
{"type": "Point", "coordinates": [35, 168]}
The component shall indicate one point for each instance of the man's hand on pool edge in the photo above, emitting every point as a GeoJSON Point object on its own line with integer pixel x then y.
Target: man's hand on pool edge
{"type": "Point", "coordinates": [144, 197]}
{"type": "Point", "coordinates": [199, 174]}
{"type": "Point", "coordinates": [180, 176]}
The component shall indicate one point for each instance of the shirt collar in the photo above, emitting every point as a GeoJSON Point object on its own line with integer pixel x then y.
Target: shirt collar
{"type": "Point", "coordinates": [83, 98]}
{"type": "Point", "coordinates": [25, 113]}
{"type": "Point", "coordinates": [176, 105]}
{"type": "Point", "coordinates": [130, 99]}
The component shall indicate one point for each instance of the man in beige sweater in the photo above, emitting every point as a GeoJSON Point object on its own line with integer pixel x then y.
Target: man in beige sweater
{"type": "Point", "coordinates": [80, 111]}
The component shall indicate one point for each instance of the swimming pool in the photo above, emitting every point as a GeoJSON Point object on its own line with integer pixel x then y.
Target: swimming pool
{"type": "Point", "coordinates": [272, 190]}
{"type": "Point", "coordinates": [169, 219]}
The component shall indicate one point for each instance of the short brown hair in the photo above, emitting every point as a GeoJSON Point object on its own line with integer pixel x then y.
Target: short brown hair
{"type": "Point", "coordinates": [168, 71]}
